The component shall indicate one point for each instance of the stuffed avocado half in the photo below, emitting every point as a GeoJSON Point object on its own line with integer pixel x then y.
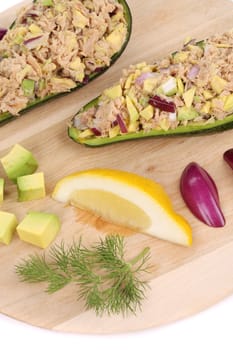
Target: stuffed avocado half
{"type": "Point", "coordinates": [187, 92]}
{"type": "Point", "coordinates": [56, 46]}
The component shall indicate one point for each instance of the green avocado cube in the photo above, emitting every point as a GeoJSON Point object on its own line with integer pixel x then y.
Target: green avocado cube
{"type": "Point", "coordinates": [185, 113]}
{"type": "Point", "coordinates": [31, 187]}
{"type": "Point", "coordinates": [133, 113]}
{"type": "Point", "coordinates": [39, 228]}
{"type": "Point", "coordinates": [18, 162]}
{"type": "Point", "coordinates": [47, 2]}
{"type": "Point", "coordinates": [8, 223]}
{"type": "Point", "coordinates": [28, 86]}
{"type": "Point", "coordinates": [2, 182]}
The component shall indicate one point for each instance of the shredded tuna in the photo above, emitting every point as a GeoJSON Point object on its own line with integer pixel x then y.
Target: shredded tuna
{"type": "Point", "coordinates": [197, 80]}
{"type": "Point", "coordinates": [57, 46]}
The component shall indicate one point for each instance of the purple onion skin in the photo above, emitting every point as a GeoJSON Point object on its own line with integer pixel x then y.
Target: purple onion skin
{"type": "Point", "coordinates": [96, 132]}
{"type": "Point", "coordinates": [3, 32]}
{"type": "Point", "coordinates": [228, 157]}
{"type": "Point", "coordinates": [121, 124]}
{"type": "Point", "coordinates": [200, 194]}
{"type": "Point", "coordinates": [162, 104]}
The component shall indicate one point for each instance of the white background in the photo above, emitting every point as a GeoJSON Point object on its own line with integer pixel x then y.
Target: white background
{"type": "Point", "coordinates": [211, 329]}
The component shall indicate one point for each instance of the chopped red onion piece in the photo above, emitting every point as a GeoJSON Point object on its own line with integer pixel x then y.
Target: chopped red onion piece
{"type": "Point", "coordinates": [32, 43]}
{"type": "Point", "coordinates": [200, 193]}
{"type": "Point", "coordinates": [3, 32]}
{"type": "Point", "coordinates": [85, 80]}
{"type": "Point", "coordinates": [98, 69]}
{"type": "Point", "coordinates": [114, 123]}
{"type": "Point", "coordinates": [96, 132]}
{"type": "Point", "coordinates": [162, 104]}
{"type": "Point", "coordinates": [140, 80]}
{"type": "Point", "coordinates": [121, 124]}
{"type": "Point", "coordinates": [192, 74]}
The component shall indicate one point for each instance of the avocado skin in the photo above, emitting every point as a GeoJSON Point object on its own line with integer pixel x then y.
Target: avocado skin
{"type": "Point", "coordinates": [218, 126]}
{"type": "Point", "coordinates": [6, 117]}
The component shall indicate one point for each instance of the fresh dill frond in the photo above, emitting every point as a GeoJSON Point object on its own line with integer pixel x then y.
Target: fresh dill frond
{"type": "Point", "coordinates": [126, 287]}
{"type": "Point", "coordinates": [106, 281]}
{"type": "Point", "coordinates": [37, 269]}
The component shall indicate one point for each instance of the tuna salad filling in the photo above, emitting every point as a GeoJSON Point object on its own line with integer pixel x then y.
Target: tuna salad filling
{"type": "Point", "coordinates": [191, 86]}
{"type": "Point", "coordinates": [56, 44]}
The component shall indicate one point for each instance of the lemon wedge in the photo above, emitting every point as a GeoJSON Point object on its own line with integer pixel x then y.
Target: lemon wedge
{"type": "Point", "coordinates": [125, 199]}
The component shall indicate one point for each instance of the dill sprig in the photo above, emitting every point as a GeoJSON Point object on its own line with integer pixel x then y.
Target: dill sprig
{"type": "Point", "coordinates": [107, 282]}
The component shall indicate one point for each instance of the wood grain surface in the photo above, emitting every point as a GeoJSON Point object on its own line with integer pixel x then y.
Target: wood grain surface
{"type": "Point", "coordinates": [185, 280]}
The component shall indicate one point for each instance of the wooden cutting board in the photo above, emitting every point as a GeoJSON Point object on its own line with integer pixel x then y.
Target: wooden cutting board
{"type": "Point", "coordinates": [185, 280]}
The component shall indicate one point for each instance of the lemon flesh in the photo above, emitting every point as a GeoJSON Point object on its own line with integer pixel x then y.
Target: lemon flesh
{"type": "Point", "coordinates": [112, 208]}
{"type": "Point", "coordinates": [126, 199]}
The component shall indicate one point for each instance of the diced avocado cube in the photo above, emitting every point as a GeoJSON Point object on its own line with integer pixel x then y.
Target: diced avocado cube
{"type": "Point", "coordinates": [133, 113]}
{"type": "Point", "coordinates": [34, 29]}
{"type": "Point", "coordinates": [188, 97]}
{"type": "Point", "coordinates": [76, 63]}
{"type": "Point", "coordinates": [180, 86]}
{"type": "Point", "coordinates": [18, 39]}
{"type": "Point", "coordinates": [63, 83]}
{"type": "Point", "coordinates": [2, 182]}
{"type": "Point", "coordinates": [129, 80]}
{"type": "Point", "coordinates": [7, 227]}
{"type": "Point", "coordinates": [60, 7]}
{"type": "Point", "coordinates": [133, 126]}
{"type": "Point", "coordinates": [116, 37]}
{"type": "Point", "coordinates": [80, 20]}
{"type": "Point", "coordinates": [185, 113]}
{"type": "Point", "coordinates": [79, 67]}
{"type": "Point", "coordinates": [47, 2]}
{"type": "Point", "coordinates": [147, 113]}
{"type": "Point", "coordinates": [206, 108]}
{"type": "Point", "coordinates": [218, 84]}
{"type": "Point", "coordinates": [28, 86]}
{"type": "Point", "coordinates": [149, 85]}
{"type": "Point", "coordinates": [169, 88]}
{"type": "Point", "coordinates": [207, 95]}
{"type": "Point", "coordinates": [86, 133]}
{"type": "Point", "coordinates": [39, 228]}
{"type": "Point", "coordinates": [164, 124]}
{"type": "Point", "coordinates": [180, 57]}
{"type": "Point", "coordinates": [18, 162]}
{"type": "Point", "coordinates": [228, 105]}
{"type": "Point", "coordinates": [31, 187]}
{"type": "Point", "coordinates": [113, 92]}
{"type": "Point", "coordinates": [113, 132]}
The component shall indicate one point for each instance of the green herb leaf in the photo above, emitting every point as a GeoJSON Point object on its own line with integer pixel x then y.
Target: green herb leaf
{"type": "Point", "coordinates": [106, 281]}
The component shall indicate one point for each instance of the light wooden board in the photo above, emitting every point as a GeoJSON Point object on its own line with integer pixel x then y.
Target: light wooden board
{"type": "Point", "coordinates": [185, 280]}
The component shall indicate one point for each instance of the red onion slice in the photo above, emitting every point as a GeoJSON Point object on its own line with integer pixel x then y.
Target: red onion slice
{"type": "Point", "coordinates": [192, 74]}
{"type": "Point", "coordinates": [3, 32]}
{"type": "Point", "coordinates": [228, 157]}
{"type": "Point", "coordinates": [147, 75]}
{"type": "Point", "coordinates": [32, 43]}
{"type": "Point", "coordinates": [162, 104]}
{"type": "Point", "coordinates": [96, 132]}
{"type": "Point", "coordinates": [114, 123]}
{"type": "Point", "coordinates": [201, 195]}
{"type": "Point", "coordinates": [121, 124]}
